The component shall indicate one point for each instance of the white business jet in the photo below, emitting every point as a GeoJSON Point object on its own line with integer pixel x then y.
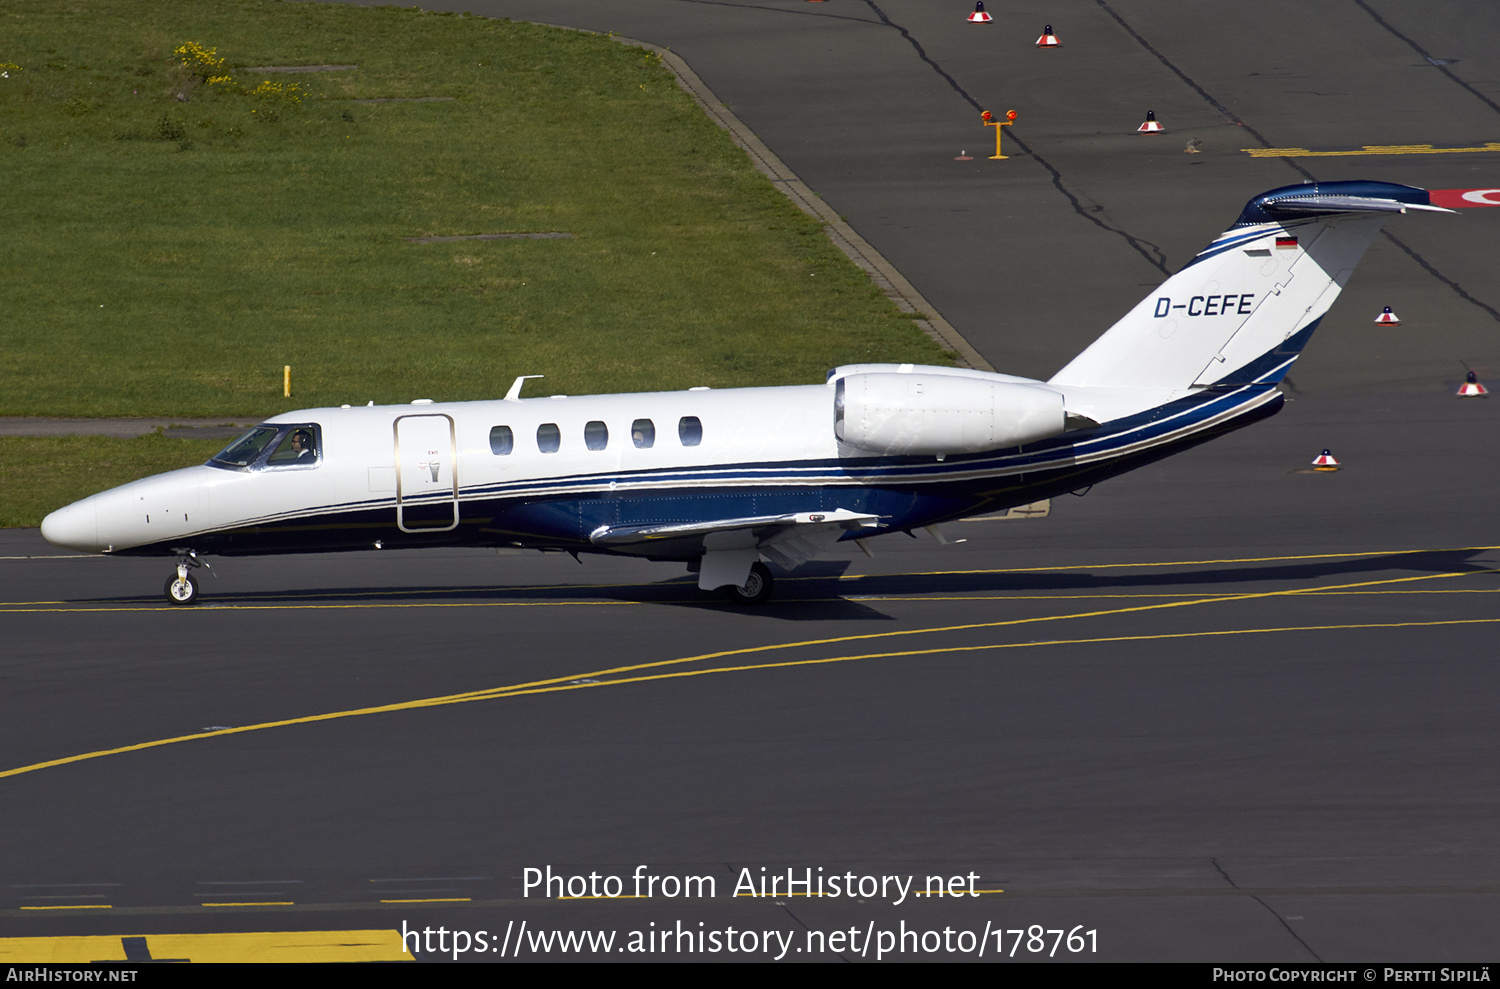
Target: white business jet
{"type": "Point", "coordinates": [724, 479]}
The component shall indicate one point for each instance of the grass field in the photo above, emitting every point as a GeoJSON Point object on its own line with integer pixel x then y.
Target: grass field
{"type": "Point", "coordinates": [180, 226]}
{"type": "Point", "coordinates": [169, 246]}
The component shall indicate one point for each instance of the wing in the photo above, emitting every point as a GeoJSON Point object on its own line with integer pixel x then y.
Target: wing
{"type": "Point", "coordinates": [729, 546]}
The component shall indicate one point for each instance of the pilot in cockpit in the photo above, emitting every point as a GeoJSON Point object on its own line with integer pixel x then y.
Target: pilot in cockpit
{"type": "Point", "coordinates": [302, 448]}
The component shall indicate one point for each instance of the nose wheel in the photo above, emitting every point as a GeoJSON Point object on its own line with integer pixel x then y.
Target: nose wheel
{"type": "Point", "coordinates": [182, 586]}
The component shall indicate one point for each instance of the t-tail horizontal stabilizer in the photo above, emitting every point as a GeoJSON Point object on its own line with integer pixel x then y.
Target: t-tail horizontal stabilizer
{"type": "Point", "coordinates": [1243, 309]}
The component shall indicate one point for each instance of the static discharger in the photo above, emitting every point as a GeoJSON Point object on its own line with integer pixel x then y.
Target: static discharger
{"type": "Point", "coordinates": [1471, 388]}
{"type": "Point", "coordinates": [1048, 39]}
{"type": "Point", "coordinates": [990, 121]}
{"type": "Point", "coordinates": [979, 16]}
{"type": "Point", "coordinates": [1150, 126]}
{"type": "Point", "coordinates": [1325, 461]}
{"type": "Point", "coordinates": [1387, 318]}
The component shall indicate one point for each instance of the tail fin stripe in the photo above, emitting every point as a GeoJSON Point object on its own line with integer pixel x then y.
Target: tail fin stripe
{"type": "Point", "coordinates": [1229, 242]}
{"type": "Point", "coordinates": [1229, 316]}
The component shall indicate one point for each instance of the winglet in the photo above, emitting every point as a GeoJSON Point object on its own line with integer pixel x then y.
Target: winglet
{"type": "Point", "coordinates": [514, 395]}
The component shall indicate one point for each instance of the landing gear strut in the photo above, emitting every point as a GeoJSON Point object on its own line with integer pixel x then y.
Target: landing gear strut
{"type": "Point", "coordinates": [757, 587]}
{"type": "Point", "coordinates": [182, 587]}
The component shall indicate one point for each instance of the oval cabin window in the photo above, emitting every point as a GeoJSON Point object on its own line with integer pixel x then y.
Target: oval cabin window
{"type": "Point", "coordinates": [643, 434]}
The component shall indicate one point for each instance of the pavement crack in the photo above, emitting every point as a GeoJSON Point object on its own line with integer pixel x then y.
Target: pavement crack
{"type": "Point", "coordinates": [1279, 919]}
{"type": "Point", "coordinates": [1458, 289]}
{"type": "Point", "coordinates": [1294, 165]}
{"type": "Point", "coordinates": [1224, 111]}
{"type": "Point", "coordinates": [787, 908]}
{"type": "Point", "coordinates": [1288, 927]}
{"type": "Point", "coordinates": [1435, 62]}
{"type": "Point", "coordinates": [922, 54]}
{"type": "Point", "coordinates": [1151, 252]}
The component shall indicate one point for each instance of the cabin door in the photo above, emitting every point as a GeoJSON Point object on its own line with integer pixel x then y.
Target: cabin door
{"type": "Point", "coordinates": [426, 473]}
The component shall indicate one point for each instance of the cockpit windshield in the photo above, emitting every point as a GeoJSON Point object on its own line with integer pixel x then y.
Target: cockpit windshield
{"type": "Point", "coordinates": [268, 447]}
{"type": "Point", "coordinates": [247, 449]}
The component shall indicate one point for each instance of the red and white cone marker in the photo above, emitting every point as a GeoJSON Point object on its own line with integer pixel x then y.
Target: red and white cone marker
{"type": "Point", "coordinates": [1048, 39]}
{"type": "Point", "coordinates": [1150, 126]}
{"type": "Point", "coordinates": [979, 16]}
{"type": "Point", "coordinates": [1387, 318]}
{"type": "Point", "coordinates": [1471, 388]}
{"type": "Point", "coordinates": [1325, 461]}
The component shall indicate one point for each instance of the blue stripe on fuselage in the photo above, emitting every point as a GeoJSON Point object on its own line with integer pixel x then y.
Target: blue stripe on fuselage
{"type": "Point", "coordinates": [903, 491]}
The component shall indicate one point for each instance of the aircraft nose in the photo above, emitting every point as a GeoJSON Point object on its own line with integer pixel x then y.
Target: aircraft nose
{"type": "Point", "coordinates": [74, 527]}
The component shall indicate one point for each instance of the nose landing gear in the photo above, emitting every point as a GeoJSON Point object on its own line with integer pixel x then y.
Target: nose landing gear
{"type": "Point", "coordinates": [182, 587]}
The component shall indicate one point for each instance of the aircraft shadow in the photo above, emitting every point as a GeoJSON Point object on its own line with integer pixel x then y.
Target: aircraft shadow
{"type": "Point", "coordinates": [1208, 579]}
{"type": "Point", "coordinates": [822, 591]}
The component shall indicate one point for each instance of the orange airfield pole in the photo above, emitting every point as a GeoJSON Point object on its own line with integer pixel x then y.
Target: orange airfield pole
{"type": "Point", "coordinates": [990, 121]}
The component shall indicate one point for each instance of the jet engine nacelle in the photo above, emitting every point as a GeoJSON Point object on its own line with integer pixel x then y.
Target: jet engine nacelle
{"type": "Point", "coordinates": [916, 413]}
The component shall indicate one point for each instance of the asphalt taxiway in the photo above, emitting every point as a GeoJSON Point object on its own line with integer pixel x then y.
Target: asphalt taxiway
{"type": "Point", "coordinates": [1225, 708]}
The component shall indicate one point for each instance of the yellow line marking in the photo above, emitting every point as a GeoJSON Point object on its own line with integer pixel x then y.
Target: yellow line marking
{"type": "Point", "coordinates": [90, 556]}
{"type": "Point", "coordinates": [1168, 563]}
{"type": "Point", "coordinates": [272, 903]}
{"type": "Point", "coordinates": [63, 608]}
{"type": "Point", "coordinates": [75, 906]}
{"type": "Point", "coordinates": [275, 946]}
{"type": "Point", "coordinates": [446, 899]}
{"type": "Point", "coordinates": [480, 695]}
{"type": "Point", "coordinates": [1369, 149]}
{"type": "Point", "coordinates": [1148, 597]}
{"type": "Point", "coordinates": [680, 674]}
{"type": "Point", "coordinates": [962, 892]}
{"type": "Point", "coordinates": [570, 682]}
{"type": "Point", "coordinates": [1025, 645]}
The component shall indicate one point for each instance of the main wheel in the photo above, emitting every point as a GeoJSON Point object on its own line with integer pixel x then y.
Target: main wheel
{"type": "Point", "coordinates": [757, 587]}
{"type": "Point", "coordinates": [181, 590]}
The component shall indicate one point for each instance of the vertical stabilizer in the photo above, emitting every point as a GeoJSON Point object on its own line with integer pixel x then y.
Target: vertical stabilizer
{"type": "Point", "coordinates": [1242, 310]}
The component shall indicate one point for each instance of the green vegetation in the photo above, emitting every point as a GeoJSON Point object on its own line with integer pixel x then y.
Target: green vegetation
{"type": "Point", "coordinates": [40, 473]}
{"type": "Point", "coordinates": [179, 226]}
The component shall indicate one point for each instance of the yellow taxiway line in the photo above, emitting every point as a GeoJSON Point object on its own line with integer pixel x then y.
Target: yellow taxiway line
{"type": "Point", "coordinates": [275, 946]}
{"type": "Point", "coordinates": [1369, 149]}
{"type": "Point", "coordinates": [580, 681]}
{"type": "Point", "coordinates": [277, 602]}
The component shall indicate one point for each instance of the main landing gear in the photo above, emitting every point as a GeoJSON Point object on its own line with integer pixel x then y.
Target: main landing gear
{"type": "Point", "coordinates": [182, 586]}
{"type": "Point", "coordinates": [757, 587]}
